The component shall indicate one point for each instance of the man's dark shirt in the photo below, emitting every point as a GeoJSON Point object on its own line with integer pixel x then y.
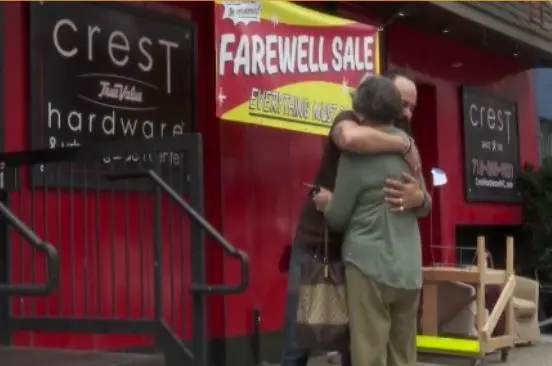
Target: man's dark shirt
{"type": "Point", "coordinates": [310, 230]}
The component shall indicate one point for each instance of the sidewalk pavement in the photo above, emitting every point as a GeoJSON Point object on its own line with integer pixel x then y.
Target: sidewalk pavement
{"type": "Point", "coordinates": [539, 354]}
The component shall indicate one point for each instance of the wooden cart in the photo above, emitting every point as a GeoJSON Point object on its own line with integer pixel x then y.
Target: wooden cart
{"type": "Point", "coordinates": [480, 276]}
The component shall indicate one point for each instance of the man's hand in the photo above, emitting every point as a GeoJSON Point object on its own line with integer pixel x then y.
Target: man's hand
{"type": "Point", "coordinates": [321, 199]}
{"type": "Point", "coordinates": [412, 158]}
{"type": "Point", "coordinates": [405, 195]}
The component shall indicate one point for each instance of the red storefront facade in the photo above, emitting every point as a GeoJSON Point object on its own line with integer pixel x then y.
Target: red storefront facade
{"type": "Point", "coordinates": [253, 175]}
{"type": "Point", "coordinates": [440, 66]}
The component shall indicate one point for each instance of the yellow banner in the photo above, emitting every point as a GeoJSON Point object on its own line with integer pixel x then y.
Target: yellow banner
{"type": "Point", "coordinates": [284, 66]}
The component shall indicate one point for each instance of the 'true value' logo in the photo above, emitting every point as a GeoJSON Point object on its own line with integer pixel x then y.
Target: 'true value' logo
{"type": "Point", "coordinates": [120, 92]}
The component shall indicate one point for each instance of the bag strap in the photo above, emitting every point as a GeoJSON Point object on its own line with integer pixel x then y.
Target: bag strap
{"type": "Point", "coordinates": [323, 247]}
{"type": "Point", "coordinates": [326, 253]}
{"type": "Point", "coordinates": [326, 244]}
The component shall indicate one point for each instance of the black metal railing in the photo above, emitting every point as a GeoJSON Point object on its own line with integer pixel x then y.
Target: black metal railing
{"type": "Point", "coordinates": [126, 238]}
{"type": "Point", "coordinates": [199, 220]}
{"type": "Point", "coordinates": [40, 245]}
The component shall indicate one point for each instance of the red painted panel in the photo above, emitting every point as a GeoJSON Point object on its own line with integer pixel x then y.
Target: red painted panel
{"type": "Point", "coordinates": [453, 66]}
{"type": "Point", "coordinates": [203, 14]}
{"type": "Point", "coordinates": [263, 169]}
{"type": "Point", "coordinates": [108, 272]}
{"type": "Point", "coordinates": [254, 176]}
{"type": "Point", "coordinates": [263, 174]}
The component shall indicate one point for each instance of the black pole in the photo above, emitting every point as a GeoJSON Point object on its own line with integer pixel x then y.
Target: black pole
{"type": "Point", "coordinates": [200, 340]}
{"type": "Point", "coordinates": [158, 249]}
{"type": "Point", "coordinates": [5, 269]}
{"type": "Point", "coordinates": [257, 344]}
{"type": "Point", "coordinates": [383, 39]}
{"type": "Point", "coordinates": [158, 260]}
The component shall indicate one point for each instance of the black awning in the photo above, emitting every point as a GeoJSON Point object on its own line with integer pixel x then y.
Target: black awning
{"type": "Point", "coordinates": [504, 28]}
{"type": "Point", "coordinates": [521, 29]}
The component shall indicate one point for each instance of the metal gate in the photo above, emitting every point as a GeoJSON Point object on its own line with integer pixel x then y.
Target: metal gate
{"type": "Point", "coordinates": [115, 247]}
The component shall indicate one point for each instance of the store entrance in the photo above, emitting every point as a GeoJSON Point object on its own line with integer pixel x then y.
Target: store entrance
{"type": "Point", "coordinates": [424, 131]}
{"type": "Point", "coordinates": [4, 276]}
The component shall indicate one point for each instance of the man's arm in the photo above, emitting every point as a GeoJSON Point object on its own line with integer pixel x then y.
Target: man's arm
{"type": "Point", "coordinates": [425, 208]}
{"type": "Point", "coordinates": [347, 187]}
{"type": "Point", "coordinates": [349, 136]}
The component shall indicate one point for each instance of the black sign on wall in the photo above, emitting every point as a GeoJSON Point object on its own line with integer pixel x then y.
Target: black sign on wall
{"type": "Point", "coordinates": [491, 147]}
{"type": "Point", "coordinates": [108, 71]}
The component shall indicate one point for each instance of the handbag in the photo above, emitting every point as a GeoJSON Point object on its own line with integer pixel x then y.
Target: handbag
{"type": "Point", "coordinates": [322, 314]}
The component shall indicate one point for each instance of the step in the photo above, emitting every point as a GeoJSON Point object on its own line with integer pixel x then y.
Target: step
{"type": "Point", "coordinates": [332, 359]}
{"type": "Point", "coordinates": [12, 356]}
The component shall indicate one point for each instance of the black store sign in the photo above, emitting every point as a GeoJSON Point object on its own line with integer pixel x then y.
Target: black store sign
{"type": "Point", "coordinates": [108, 71]}
{"type": "Point", "coordinates": [491, 147]}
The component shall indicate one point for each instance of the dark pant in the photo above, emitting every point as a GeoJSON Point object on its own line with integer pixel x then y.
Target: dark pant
{"type": "Point", "coordinates": [293, 355]}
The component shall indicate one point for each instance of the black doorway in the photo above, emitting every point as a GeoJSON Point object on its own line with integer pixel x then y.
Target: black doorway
{"type": "Point", "coordinates": [495, 242]}
{"type": "Point", "coordinates": [4, 243]}
{"type": "Point", "coordinates": [424, 131]}
{"type": "Point", "coordinates": [4, 276]}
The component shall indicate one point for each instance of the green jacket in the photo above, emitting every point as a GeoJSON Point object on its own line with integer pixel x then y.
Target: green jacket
{"type": "Point", "coordinates": [384, 245]}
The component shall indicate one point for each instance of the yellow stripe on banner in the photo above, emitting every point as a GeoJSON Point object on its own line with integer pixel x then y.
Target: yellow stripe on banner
{"type": "Point", "coordinates": [285, 12]}
{"type": "Point", "coordinates": [292, 14]}
{"type": "Point", "coordinates": [377, 56]}
{"type": "Point", "coordinates": [312, 95]}
{"type": "Point", "coordinates": [289, 126]}
{"type": "Point", "coordinates": [448, 345]}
